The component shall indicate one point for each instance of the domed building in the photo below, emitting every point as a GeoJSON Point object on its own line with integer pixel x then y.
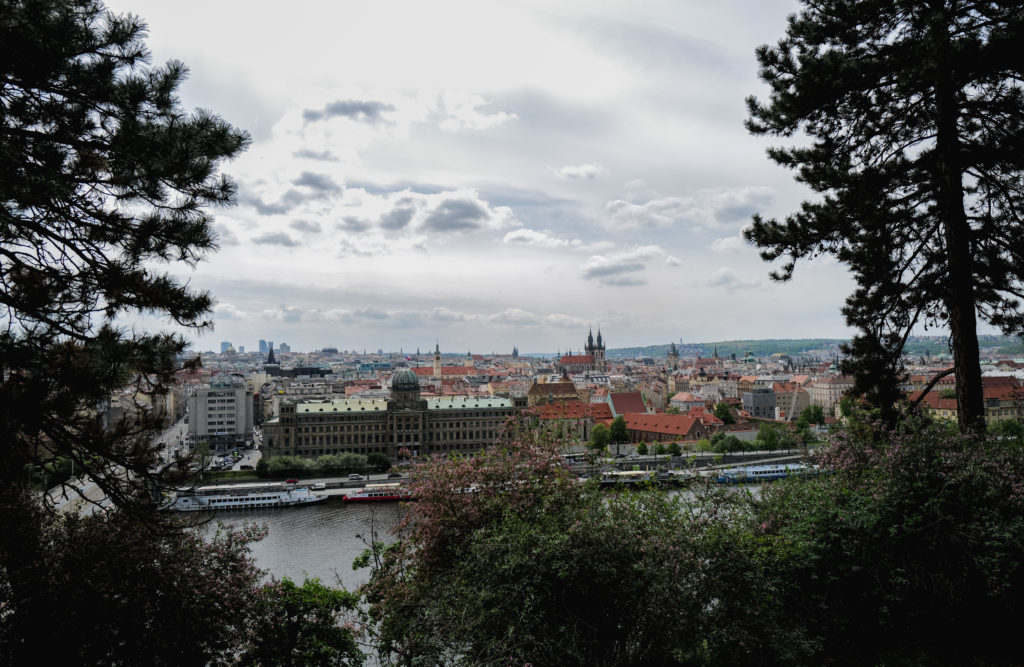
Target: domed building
{"type": "Point", "coordinates": [405, 391]}
{"type": "Point", "coordinates": [435, 425]}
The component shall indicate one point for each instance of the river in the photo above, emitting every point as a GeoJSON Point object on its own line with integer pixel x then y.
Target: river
{"type": "Point", "coordinates": [318, 541]}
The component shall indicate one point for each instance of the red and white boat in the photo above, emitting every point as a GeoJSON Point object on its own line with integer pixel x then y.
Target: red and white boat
{"type": "Point", "coordinates": [379, 493]}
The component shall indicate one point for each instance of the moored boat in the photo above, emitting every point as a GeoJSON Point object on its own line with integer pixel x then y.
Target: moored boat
{"type": "Point", "coordinates": [377, 493]}
{"type": "Point", "coordinates": [244, 500]}
{"type": "Point", "coordinates": [763, 473]}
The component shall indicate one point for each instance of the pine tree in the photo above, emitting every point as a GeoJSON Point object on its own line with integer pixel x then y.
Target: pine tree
{"type": "Point", "coordinates": [104, 183]}
{"type": "Point", "coordinates": [915, 116]}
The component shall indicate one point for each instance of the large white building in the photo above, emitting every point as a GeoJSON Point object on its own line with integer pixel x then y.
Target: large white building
{"type": "Point", "coordinates": [220, 413]}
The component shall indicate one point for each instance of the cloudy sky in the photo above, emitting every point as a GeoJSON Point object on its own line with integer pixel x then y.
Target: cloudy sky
{"type": "Point", "coordinates": [488, 174]}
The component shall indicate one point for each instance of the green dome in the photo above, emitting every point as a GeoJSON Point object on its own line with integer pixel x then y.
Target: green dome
{"type": "Point", "coordinates": [405, 380]}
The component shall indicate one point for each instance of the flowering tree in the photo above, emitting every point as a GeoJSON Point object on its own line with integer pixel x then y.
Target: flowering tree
{"type": "Point", "coordinates": [915, 534]}
{"type": "Point", "coordinates": [505, 558]}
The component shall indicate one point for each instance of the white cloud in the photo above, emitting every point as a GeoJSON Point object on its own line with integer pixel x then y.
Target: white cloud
{"type": "Point", "coordinates": [703, 209]}
{"type": "Point", "coordinates": [582, 172]}
{"type": "Point", "coordinates": [534, 238]}
{"type": "Point", "coordinates": [623, 268]}
{"type": "Point", "coordinates": [228, 311]}
{"type": "Point", "coordinates": [728, 244]}
{"type": "Point", "coordinates": [464, 111]}
{"type": "Point", "coordinates": [727, 278]}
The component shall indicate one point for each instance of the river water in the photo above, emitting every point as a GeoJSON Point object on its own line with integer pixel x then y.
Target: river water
{"type": "Point", "coordinates": [320, 540]}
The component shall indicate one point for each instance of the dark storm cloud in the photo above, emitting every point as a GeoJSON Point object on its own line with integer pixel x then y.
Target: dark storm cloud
{"type": "Point", "coordinates": [603, 272]}
{"type": "Point", "coordinates": [305, 226]}
{"type": "Point", "coordinates": [455, 215]}
{"type": "Point", "coordinates": [323, 156]}
{"type": "Point", "coordinates": [276, 238]}
{"type": "Point", "coordinates": [318, 182]}
{"type": "Point", "coordinates": [351, 223]}
{"type": "Point", "coordinates": [397, 218]}
{"type": "Point", "coordinates": [288, 201]}
{"type": "Point", "coordinates": [364, 111]}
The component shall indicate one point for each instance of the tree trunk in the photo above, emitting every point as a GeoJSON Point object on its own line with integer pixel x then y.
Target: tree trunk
{"type": "Point", "coordinates": [959, 298]}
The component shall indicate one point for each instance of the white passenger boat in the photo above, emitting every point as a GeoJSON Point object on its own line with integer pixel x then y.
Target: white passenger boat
{"type": "Point", "coordinates": [764, 473]}
{"type": "Point", "coordinates": [245, 500]}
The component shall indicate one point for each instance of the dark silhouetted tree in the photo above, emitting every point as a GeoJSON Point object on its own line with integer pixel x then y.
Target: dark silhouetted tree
{"type": "Point", "coordinates": [915, 117]}
{"type": "Point", "coordinates": [104, 181]}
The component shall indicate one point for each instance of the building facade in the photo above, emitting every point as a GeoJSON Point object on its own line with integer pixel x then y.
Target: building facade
{"type": "Point", "coordinates": [760, 402]}
{"type": "Point", "coordinates": [221, 413]}
{"type": "Point", "coordinates": [424, 426]}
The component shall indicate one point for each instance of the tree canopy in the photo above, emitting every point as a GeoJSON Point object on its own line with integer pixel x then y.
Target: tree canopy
{"type": "Point", "coordinates": [104, 183]}
{"type": "Point", "coordinates": [915, 119]}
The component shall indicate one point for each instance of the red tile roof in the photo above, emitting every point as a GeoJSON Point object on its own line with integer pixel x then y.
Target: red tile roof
{"type": "Point", "coordinates": [632, 401]}
{"type": "Point", "coordinates": [680, 425]}
{"type": "Point", "coordinates": [577, 359]}
{"type": "Point", "coordinates": [573, 410]}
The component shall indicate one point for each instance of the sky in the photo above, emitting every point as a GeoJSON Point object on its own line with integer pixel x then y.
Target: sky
{"type": "Point", "coordinates": [485, 174]}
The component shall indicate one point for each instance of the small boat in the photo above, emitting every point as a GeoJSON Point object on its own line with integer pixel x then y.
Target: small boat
{"type": "Point", "coordinates": [379, 493]}
{"type": "Point", "coordinates": [255, 499]}
{"type": "Point", "coordinates": [765, 473]}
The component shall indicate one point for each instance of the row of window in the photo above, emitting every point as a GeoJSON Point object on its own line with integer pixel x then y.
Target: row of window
{"type": "Point", "coordinates": [422, 449]}
{"type": "Point", "coordinates": [364, 438]}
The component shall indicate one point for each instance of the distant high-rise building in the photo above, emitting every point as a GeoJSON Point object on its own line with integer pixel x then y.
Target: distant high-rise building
{"type": "Point", "coordinates": [224, 345]}
{"type": "Point", "coordinates": [241, 349]}
{"type": "Point", "coordinates": [263, 348]}
{"type": "Point", "coordinates": [284, 348]}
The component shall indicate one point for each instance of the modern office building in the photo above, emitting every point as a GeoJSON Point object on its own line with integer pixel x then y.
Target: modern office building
{"type": "Point", "coordinates": [221, 413]}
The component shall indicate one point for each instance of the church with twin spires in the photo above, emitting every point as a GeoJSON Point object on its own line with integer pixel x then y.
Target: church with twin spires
{"type": "Point", "coordinates": [592, 359]}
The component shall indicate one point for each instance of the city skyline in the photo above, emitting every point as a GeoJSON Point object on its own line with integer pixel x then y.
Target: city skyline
{"type": "Point", "coordinates": [508, 172]}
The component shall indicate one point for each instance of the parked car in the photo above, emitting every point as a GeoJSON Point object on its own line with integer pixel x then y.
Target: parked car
{"type": "Point", "coordinates": [356, 477]}
{"type": "Point", "coordinates": [291, 480]}
{"type": "Point", "coordinates": [393, 475]}
{"type": "Point", "coordinates": [247, 467]}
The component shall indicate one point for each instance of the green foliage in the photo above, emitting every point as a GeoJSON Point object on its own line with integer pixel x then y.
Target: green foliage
{"type": "Point", "coordinates": [727, 443]}
{"type": "Point", "coordinates": [379, 462]}
{"type": "Point", "coordinates": [919, 531]}
{"type": "Point", "coordinates": [618, 431]}
{"type": "Point", "coordinates": [674, 449]}
{"type": "Point", "coordinates": [812, 414]}
{"type": "Point", "coordinates": [641, 449]}
{"type": "Point", "coordinates": [660, 449]}
{"type": "Point", "coordinates": [767, 437]}
{"type": "Point", "coordinates": [599, 437]}
{"type": "Point", "coordinates": [1010, 431]}
{"type": "Point", "coordinates": [534, 569]}
{"type": "Point", "coordinates": [722, 412]}
{"type": "Point", "coordinates": [107, 589]}
{"type": "Point", "coordinates": [913, 535]}
{"type": "Point", "coordinates": [910, 115]}
{"type": "Point", "coordinates": [328, 464]}
{"type": "Point", "coordinates": [303, 625]}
